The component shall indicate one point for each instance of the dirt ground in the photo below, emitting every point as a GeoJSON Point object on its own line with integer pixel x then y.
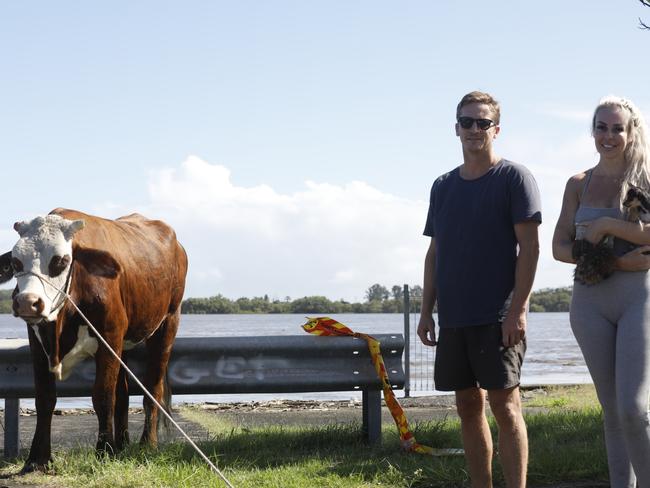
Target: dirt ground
{"type": "Point", "coordinates": [78, 427]}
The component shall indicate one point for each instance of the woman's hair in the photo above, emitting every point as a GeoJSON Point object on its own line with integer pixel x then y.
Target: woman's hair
{"type": "Point", "coordinates": [480, 97]}
{"type": "Point", "coordinates": [637, 151]}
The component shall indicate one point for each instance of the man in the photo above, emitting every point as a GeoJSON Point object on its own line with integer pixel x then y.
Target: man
{"type": "Point", "coordinates": [483, 219]}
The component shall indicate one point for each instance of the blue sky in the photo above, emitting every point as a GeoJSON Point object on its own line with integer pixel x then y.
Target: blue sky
{"type": "Point", "coordinates": [292, 144]}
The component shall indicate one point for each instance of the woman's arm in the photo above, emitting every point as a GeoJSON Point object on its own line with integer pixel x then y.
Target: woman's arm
{"type": "Point", "coordinates": [426, 327]}
{"type": "Point", "coordinates": [564, 234]}
{"type": "Point", "coordinates": [635, 232]}
{"type": "Point", "coordinates": [636, 260]}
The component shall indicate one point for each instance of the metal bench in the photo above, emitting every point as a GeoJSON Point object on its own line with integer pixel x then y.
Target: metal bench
{"type": "Point", "coordinates": [216, 365]}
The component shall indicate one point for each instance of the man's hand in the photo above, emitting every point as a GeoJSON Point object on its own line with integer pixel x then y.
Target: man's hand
{"type": "Point", "coordinates": [513, 329]}
{"type": "Point", "coordinates": [427, 330]}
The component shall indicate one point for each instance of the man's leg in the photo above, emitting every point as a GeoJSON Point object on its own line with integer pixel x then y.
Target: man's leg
{"type": "Point", "coordinates": [477, 439]}
{"type": "Point", "coordinates": [513, 438]}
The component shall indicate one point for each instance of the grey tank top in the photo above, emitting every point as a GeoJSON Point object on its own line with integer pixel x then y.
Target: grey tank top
{"type": "Point", "coordinates": [585, 214]}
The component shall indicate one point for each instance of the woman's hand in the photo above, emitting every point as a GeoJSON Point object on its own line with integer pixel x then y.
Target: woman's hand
{"type": "Point", "coordinates": [595, 230]}
{"type": "Point", "coordinates": [635, 260]}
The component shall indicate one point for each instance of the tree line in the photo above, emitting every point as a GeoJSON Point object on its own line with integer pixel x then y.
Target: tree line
{"type": "Point", "coordinates": [551, 299]}
{"type": "Point", "coordinates": [378, 299]}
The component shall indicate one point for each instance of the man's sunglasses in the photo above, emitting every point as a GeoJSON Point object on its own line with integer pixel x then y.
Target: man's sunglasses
{"type": "Point", "coordinates": [468, 122]}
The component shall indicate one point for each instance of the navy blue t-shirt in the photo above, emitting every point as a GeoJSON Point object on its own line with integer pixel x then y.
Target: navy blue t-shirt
{"type": "Point", "coordinates": [476, 247]}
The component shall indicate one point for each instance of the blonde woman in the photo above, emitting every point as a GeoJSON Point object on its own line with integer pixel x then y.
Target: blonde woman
{"type": "Point", "coordinates": [611, 319]}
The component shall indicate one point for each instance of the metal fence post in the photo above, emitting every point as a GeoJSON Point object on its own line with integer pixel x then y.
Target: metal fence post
{"type": "Point", "coordinates": [371, 411]}
{"type": "Point", "coordinates": [407, 342]}
{"type": "Point", "coordinates": [12, 427]}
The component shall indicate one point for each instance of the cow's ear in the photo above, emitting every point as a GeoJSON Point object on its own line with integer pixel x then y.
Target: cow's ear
{"type": "Point", "coordinates": [96, 262]}
{"type": "Point", "coordinates": [70, 228]}
{"type": "Point", "coordinates": [21, 227]}
{"type": "Point", "coordinates": [6, 270]}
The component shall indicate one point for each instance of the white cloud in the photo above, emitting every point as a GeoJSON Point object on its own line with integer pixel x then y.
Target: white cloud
{"type": "Point", "coordinates": [333, 240]}
{"type": "Point", "coordinates": [567, 113]}
{"type": "Point", "coordinates": [325, 239]}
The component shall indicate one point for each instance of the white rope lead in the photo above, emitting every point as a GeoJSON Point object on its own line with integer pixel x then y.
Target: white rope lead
{"type": "Point", "coordinates": [135, 378]}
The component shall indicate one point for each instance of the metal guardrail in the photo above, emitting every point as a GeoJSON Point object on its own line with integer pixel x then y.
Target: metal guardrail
{"type": "Point", "coordinates": [214, 365]}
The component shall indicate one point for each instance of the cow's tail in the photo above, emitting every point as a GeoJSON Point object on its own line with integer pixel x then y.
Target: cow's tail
{"type": "Point", "coordinates": [166, 402]}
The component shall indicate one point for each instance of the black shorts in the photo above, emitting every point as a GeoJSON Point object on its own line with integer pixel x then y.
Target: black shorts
{"type": "Point", "coordinates": [476, 357]}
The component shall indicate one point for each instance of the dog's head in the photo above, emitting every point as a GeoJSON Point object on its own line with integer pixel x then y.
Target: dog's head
{"type": "Point", "coordinates": [637, 200]}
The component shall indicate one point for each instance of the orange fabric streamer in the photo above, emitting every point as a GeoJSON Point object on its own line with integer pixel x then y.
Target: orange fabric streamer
{"type": "Point", "coordinates": [325, 326]}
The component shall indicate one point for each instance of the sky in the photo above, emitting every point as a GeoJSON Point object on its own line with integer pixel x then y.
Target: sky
{"type": "Point", "coordinates": [292, 144]}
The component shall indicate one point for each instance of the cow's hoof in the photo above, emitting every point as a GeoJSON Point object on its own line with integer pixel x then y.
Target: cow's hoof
{"type": "Point", "coordinates": [149, 443]}
{"type": "Point", "coordinates": [35, 466]}
{"type": "Point", "coordinates": [104, 449]}
{"type": "Point", "coordinates": [121, 441]}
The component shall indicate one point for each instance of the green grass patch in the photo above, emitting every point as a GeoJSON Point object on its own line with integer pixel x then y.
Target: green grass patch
{"type": "Point", "coordinates": [571, 397]}
{"type": "Point", "coordinates": [565, 446]}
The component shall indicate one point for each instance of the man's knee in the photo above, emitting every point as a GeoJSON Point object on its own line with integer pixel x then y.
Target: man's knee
{"type": "Point", "coordinates": [470, 403]}
{"type": "Point", "coordinates": [506, 407]}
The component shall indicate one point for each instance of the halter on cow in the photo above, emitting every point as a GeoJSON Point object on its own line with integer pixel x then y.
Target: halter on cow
{"type": "Point", "coordinates": [127, 276]}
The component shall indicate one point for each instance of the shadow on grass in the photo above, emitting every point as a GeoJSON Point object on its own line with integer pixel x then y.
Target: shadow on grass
{"type": "Point", "coordinates": [565, 447]}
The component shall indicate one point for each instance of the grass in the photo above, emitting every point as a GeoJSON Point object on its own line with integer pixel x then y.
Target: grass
{"type": "Point", "coordinates": [566, 445]}
{"type": "Point", "coordinates": [566, 397]}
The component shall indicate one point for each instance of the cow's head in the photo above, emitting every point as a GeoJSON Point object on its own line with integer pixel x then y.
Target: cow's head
{"type": "Point", "coordinates": [41, 261]}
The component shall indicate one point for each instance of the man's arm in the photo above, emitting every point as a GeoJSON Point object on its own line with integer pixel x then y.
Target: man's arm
{"type": "Point", "coordinates": [514, 325]}
{"type": "Point", "coordinates": [426, 327]}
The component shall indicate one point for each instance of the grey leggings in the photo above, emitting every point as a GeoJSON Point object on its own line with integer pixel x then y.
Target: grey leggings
{"type": "Point", "coordinates": [611, 322]}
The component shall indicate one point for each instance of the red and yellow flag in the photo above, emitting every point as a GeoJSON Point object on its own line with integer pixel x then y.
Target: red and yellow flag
{"type": "Point", "coordinates": [325, 326]}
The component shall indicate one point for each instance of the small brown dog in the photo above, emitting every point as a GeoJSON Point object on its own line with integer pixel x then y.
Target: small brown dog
{"type": "Point", "coordinates": [595, 262]}
{"type": "Point", "coordinates": [637, 203]}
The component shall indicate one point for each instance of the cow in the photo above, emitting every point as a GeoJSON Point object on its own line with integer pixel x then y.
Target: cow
{"type": "Point", "coordinates": [127, 276]}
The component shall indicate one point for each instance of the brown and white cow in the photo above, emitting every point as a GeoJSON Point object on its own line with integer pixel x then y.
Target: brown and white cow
{"type": "Point", "coordinates": [127, 276]}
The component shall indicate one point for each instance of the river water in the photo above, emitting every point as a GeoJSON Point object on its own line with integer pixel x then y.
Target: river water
{"type": "Point", "coordinates": [553, 357]}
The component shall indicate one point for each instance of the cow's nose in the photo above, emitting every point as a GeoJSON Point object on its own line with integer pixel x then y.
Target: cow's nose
{"type": "Point", "coordinates": [28, 305]}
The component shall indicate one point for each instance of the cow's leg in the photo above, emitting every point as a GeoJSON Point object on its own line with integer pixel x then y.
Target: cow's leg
{"type": "Point", "coordinates": [107, 371]}
{"type": "Point", "coordinates": [122, 409]}
{"type": "Point", "coordinates": [159, 347]}
{"type": "Point", "coordinates": [40, 454]}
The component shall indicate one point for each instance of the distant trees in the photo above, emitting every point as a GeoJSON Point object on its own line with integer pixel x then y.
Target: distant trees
{"type": "Point", "coordinates": [377, 292]}
{"type": "Point", "coordinates": [397, 292]}
{"type": "Point", "coordinates": [551, 300]}
{"type": "Point", "coordinates": [378, 300]}
{"type": "Point", "coordinates": [5, 301]}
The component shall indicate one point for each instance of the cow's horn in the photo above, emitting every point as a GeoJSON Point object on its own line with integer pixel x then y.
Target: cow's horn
{"type": "Point", "coordinates": [20, 227]}
{"type": "Point", "coordinates": [72, 227]}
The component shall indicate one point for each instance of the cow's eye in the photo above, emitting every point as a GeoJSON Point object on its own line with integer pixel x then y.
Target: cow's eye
{"type": "Point", "coordinates": [17, 265]}
{"type": "Point", "coordinates": [58, 264]}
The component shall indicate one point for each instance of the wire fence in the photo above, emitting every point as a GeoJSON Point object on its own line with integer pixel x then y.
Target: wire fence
{"type": "Point", "coordinates": [418, 358]}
